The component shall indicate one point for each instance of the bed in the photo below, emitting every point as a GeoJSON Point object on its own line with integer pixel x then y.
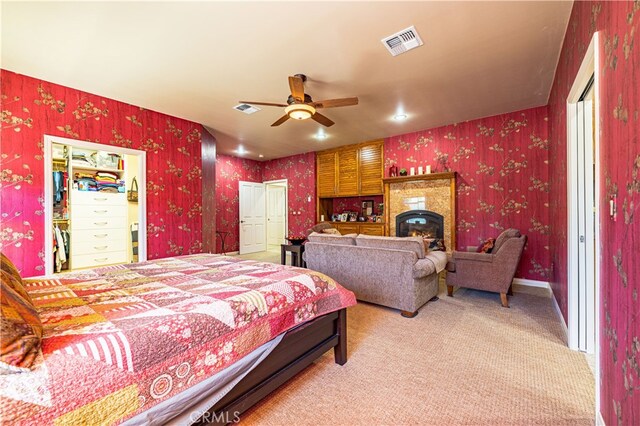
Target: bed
{"type": "Point", "coordinates": [189, 339]}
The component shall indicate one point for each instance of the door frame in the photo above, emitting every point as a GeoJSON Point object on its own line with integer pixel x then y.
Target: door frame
{"type": "Point", "coordinates": [48, 192]}
{"type": "Point", "coordinates": [286, 204]}
{"type": "Point", "coordinates": [590, 66]}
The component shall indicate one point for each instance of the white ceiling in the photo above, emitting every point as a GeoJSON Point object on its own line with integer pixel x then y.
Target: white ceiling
{"type": "Point", "coordinates": [197, 60]}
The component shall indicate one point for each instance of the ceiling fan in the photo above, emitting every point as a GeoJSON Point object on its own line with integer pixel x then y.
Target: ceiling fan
{"type": "Point", "coordinates": [300, 106]}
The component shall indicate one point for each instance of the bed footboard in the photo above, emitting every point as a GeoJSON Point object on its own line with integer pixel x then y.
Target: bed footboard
{"type": "Point", "coordinates": [297, 350]}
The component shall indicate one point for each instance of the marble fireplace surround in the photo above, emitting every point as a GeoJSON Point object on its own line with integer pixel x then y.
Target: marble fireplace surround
{"type": "Point", "coordinates": [439, 191]}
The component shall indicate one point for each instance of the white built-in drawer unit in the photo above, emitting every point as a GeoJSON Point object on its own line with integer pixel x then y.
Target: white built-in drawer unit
{"type": "Point", "coordinates": [99, 229]}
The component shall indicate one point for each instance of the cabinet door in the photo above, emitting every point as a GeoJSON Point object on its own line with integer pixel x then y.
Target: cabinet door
{"type": "Point", "coordinates": [347, 228]}
{"type": "Point", "coordinates": [377, 230]}
{"type": "Point", "coordinates": [326, 162]}
{"type": "Point", "coordinates": [371, 169]}
{"type": "Point", "coordinates": [348, 172]}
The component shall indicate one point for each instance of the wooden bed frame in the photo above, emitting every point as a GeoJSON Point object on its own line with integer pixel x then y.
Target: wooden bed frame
{"type": "Point", "coordinates": [298, 349]}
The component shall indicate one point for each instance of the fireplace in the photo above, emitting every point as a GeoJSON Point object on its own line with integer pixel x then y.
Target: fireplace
{"type": "Point", "coordinates": [420, 223]}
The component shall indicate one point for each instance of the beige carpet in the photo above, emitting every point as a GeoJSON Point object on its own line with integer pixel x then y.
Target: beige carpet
{"type": "Point", "coordinates": [462, 360]}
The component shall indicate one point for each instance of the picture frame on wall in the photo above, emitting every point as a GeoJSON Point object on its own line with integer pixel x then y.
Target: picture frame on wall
{"type": "Point", "coordinates": [367, 207]}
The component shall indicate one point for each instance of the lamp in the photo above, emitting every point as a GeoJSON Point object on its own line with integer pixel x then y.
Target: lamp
{"type": "Point", "coordinates": [300, 111]}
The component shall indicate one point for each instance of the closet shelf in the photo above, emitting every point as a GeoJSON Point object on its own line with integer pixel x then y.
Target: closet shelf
{"type": "Point", "coordinates": [98, 169]}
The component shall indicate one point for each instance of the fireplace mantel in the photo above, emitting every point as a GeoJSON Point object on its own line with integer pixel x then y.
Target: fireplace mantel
{"type": "Point", "coordinates": [439, 190]}
{"type": "Point", "coordinates": [429, 176]}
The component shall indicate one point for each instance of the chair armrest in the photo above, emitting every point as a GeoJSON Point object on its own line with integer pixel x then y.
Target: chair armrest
{"type": "Point", "coordinates": [423, 268]}
{"type": "Point", "coordinates": [476, 257]}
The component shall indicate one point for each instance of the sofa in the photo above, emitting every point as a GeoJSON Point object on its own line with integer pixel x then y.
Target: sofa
{"type": "Point", "coordinates": [389, 271]}
{"type": "Point", "coordinates": [492, 271]}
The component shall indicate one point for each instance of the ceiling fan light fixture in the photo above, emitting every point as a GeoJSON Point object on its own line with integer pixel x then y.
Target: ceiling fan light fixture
{"type": "Point", "coordinates": [300, 111]}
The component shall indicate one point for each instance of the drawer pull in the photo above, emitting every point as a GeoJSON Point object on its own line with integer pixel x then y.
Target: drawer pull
{"type": "Point", "coordinates": [102, 259]}
{"type": "Point", "coordinates": [100, 235]}
{"type": "Point", "coordinates": [99, 211]}
{"type": "Point", "coordinates": [100, 223]}
{"type": "Point", "coordinates": [100, 247]}
{"type": "Point", "coordinates": [100, 199]}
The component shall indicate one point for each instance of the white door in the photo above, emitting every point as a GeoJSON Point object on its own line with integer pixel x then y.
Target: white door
{"type": "Point", "coordinates": [582, 225]}
{"type": "Point", "coordinates": [252, 217]}
{"type": "Point", "coordinates": [275, 214]}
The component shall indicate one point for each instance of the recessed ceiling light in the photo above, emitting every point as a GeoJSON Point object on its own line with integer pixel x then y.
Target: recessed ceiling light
{"type": "Point", "coordinates": [241, 150]}
{"type": "Point", "coordinates": [400, 117]}
{"type": "Point", "coordinates": [321, 135]}
{"type": "Point", "coordinates": [260, 156]}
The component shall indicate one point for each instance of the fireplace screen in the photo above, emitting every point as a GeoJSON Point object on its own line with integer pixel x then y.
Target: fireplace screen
{"type": "Point", "coordinates": [420, 223]}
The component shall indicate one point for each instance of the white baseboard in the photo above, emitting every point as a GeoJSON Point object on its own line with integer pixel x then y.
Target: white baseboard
{"type": "Point", "coordinates": [599, 419]}
{"type": "Point", "coordinates": [231, 253]}
{"type": "Point", "coordinates": [531, 283]}
{"type": "Point", "coordinates": [561, 318]}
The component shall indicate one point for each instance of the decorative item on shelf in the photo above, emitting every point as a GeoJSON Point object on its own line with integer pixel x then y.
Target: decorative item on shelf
{"type": "Point", "coordinates": [379, 219]}
{"type": "Point", "coordinates": [335, 218]}
{"type": "Point", "coordinates": [372, 218]}
{"type": "Point", "coordinates": [367, 207]}
{"type": "Point", "coordinates": [402, 172]}
{"type": "Point", "coordinates": [393, 171]}
{"type": "Point", "coordinates": [428, 171]}
{"type": "Point", "coordinates": [413, 171]}
{"type": "Point", "coordinates": [361, 219]}
{"type": "Point", "coordinates": [132, 194]}
{"type": "Point", "coordinates": [380, 209]}
{"type": "Point", "coordinates": [296, 240]}
{"type": "Point", "coordinates": [344, 217]}
{"type": "Point", "coordinates": [353, 216]}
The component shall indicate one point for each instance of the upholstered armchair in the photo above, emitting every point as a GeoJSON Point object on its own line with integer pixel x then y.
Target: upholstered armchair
{"type": "Point", "coordinates": [488, 271]}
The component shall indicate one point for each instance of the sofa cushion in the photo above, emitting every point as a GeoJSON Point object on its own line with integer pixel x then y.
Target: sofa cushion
{"type": "Point", "coordinates": [344, 240]}
{"type": "Point", "coordinates": [414, 244]}
{"type": "Point", "coordinates": [331, 231]}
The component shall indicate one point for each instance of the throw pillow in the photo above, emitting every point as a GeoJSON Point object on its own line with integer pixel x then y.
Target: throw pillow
{"type": "Point", "coordinates": [437, 245]}
{"type": "Point", "coordinates": [333, 231]}
{"type": "Point", "coordinates": [427, 243]}
{"type": "Point", "coordinates": [7, 266]}
{"type": "Point", "coordinates": [20, 329]}
{"type": "Point", "coordinates": [487, 246]}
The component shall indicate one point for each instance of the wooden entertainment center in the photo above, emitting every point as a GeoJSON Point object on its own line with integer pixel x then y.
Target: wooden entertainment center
{"type": "Point", "coordinates": [350, 172]}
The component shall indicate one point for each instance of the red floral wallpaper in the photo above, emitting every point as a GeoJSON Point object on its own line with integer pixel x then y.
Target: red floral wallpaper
{"type": "Point", "coordinates": [503, 178]}
{"type": "Point", "coordinates": [300, 172]}
{"type": "Point", "coordinates": [619, 278]}
{"type": "Point", "coordinates": [32, 108]}
{"type": "Point", "coordinates": [229, 171]}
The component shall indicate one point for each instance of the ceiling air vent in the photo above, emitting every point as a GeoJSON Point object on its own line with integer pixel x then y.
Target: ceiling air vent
{"type": "Point", "coordinates": [402, 41]}
{"type": "Point", "coordinates": [246, 108]}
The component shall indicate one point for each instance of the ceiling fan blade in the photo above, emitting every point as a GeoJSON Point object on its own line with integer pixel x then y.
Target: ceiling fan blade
{"type": "Point", "coordinates": [322, 119]}
{"type": "Point", "coordinates": [263, 103]}
{"type": "Point", "coordinates": [297, 88]}
{"type": "Point", "coordinates": [280, 120]}
{"type": "Point", "coordinates": [334, 103]}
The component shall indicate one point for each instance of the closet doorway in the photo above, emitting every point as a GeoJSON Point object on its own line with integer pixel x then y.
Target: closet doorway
{"type": "Point", "coordinates": [91, 216]}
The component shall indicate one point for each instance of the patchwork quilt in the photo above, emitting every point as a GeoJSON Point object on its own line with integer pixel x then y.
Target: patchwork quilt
{"type": "Point", "coordinates": [118, 340]}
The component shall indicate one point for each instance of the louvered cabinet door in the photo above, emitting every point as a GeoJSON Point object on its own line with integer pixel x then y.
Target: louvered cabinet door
{"type": "Point", "coordinates": [371, 169]}
{"type": "Point", "coordinates": [348, 172]}
{"type": "Point", "coordinates": [326, 181]}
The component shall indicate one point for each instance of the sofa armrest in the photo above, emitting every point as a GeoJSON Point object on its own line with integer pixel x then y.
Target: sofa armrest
{"type": "Point", "coordinates": [476, 257]}
{"type": "Point", "coordinates": [423, 268]}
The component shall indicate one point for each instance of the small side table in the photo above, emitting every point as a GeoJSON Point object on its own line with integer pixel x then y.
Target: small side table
{"type": "Point", "coordinates": [296, 254]}
{"type": "Point", "coordinates": [223, 236]}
